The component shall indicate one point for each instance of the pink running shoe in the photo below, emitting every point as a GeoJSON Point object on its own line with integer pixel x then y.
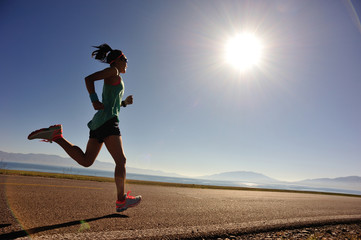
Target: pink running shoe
{"type": "Point", "coordinates": [48, 134]}
{"type": "Point", "coordinates": [129, 201]}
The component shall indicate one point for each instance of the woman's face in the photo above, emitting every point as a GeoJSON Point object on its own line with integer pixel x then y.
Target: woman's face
{"type": "Point", "coordinates": [122, 64]}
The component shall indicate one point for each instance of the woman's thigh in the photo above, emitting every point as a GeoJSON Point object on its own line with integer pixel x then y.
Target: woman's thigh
{"type": "Point", "coordinates": [92, 150]}
{"type": "Point", "coordinates": [115, 147]}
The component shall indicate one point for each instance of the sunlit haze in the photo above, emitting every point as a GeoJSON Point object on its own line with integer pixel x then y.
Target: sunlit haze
{"type": "Point", "coordinates": [243, 51]}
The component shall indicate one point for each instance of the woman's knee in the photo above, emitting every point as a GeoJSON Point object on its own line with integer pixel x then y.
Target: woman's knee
{"type": "Point", "coordinates": [87, 164]}
{"type": "Point", "coordinates": [120, 167]}
{"type": "Point", "coordinates": [120, 170]}
{"type": "Point", "coordinates": [88, 161]}
{"type": "Point", "coordinates": [121, 160]}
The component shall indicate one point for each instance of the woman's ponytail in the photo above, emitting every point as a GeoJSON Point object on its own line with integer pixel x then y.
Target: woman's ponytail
{"type": "Point", "coordinates": [101, 53]}
{"type": "Point", "coordinates": [106, 54]}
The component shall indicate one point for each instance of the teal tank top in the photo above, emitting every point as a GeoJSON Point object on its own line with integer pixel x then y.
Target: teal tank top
{"type": "Point", "coordinates": [112, 99]}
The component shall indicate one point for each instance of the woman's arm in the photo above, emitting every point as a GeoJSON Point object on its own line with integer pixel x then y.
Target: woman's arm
{"type": "Point", "coordinates": [89, 82]}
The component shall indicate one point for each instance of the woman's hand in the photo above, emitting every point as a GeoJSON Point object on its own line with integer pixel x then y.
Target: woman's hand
{"type": "Point", "coordinates": [98, 105]}
{"type": "Point", "coordinates": [129, 100]}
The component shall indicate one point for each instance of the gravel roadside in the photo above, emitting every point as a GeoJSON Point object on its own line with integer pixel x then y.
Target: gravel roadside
{"type": "Point", "coordinates": [334, 232]}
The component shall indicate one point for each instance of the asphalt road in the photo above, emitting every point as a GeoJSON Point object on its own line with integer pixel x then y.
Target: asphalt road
{"type": "Point", "coordinates": [49, 208]}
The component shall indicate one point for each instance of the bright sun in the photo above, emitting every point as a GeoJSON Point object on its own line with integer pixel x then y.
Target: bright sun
{"type": "Point", "coordinates": [244, 51]}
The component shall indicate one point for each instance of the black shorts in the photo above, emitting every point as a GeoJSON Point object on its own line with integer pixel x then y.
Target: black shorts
{"type": "Point", "coordinates": [109, 128]}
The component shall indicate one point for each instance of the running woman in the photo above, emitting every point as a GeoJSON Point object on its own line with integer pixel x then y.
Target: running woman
{"type": "Point", "coordinates": [104, 125]}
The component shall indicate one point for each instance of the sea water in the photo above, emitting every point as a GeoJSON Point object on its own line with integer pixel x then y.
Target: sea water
{"type": "Point", "coordinates": [104, 173]}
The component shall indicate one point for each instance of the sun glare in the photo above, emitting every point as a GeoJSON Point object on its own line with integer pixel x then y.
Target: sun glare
{"type": "Point", "coordinates": [244, 51]}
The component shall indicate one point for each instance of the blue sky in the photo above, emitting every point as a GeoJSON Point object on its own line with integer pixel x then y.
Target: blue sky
{"type": "Point", "coordinates": [294, 116]}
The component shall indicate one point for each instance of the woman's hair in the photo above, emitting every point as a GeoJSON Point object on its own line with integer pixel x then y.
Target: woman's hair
{"type": "Point", "coordinates": [106, 54]}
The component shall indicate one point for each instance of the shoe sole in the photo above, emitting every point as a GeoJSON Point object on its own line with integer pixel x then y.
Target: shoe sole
{"type": "Point", "coordinates": [133, 205]}
{"type": "Point", "coordinates": [44, 131]}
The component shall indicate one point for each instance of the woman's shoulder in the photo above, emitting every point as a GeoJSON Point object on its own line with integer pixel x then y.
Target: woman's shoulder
{"type": "Point", "coordinates": [112, 71]}
{"type": "Point", "coordinates": [115, 79]}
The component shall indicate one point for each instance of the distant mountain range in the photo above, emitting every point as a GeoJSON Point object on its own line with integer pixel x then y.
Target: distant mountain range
{"type": "Point", "coordinates": [54, 160]}
{"type": "Point", "coordinates": [350, 184]}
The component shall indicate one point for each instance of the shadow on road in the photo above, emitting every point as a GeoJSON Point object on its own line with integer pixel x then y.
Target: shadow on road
{"type": "Point", "coordinates": [4, 225]}
{"type": "Point", "coordinates": [26, 232]}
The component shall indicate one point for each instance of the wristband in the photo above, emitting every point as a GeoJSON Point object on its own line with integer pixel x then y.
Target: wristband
{"type": "Point", "coordinates": [123, 104]}
{"type": "Point", "coordinates": [93, 97]}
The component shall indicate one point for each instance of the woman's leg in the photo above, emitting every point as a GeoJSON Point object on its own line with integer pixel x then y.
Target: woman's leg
{"type": "Point", "coordinates": [115, 148]}
{"type": "Point", "coordinates": [85, 159]}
